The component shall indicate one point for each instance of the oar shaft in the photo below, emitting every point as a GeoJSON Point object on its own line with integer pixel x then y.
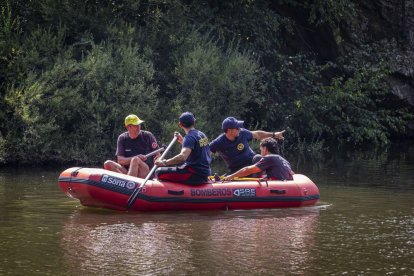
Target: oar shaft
{"type": "Point", "coordinates": [134, 195]}
{"type": "Point", "coordinates": [155, 152]}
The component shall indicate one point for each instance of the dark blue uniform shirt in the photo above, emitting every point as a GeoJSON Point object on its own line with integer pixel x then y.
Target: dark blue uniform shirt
{"type": "Point", "coordinates": [199, 158]}
{"type": "Point", "coordinates": [236, 154]}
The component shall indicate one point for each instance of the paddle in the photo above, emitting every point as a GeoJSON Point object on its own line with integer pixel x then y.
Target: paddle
{"type": "Point", "coordinates": [134, 195]}
{"type": "Point", "coordinates": [155, 152]}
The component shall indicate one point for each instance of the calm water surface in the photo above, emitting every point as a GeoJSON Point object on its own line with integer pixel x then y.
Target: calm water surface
{"type": "Point", "coordinates": [363, 225]}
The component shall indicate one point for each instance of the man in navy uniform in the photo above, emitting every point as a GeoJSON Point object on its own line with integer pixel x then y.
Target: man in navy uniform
{"type": "Point", "coordinates": [233, 145]}
{"type": "Point", "coordinates": [194, 156]}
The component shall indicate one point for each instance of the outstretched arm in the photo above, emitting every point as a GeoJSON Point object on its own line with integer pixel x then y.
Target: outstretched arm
{"type": "Point", "coordinates": [243, 172]}
{"type": "Point", "coordinates": [178, 159]}
{"type": "Point", "coordinates": [260, 134]}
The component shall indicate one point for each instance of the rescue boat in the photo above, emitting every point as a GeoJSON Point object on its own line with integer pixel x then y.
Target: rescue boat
{"type": "Point", "coordinates": [96, 187]}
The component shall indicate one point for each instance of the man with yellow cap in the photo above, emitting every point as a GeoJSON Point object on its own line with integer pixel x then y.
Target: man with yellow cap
{"type": "Point", "coordinates": [131, 148]}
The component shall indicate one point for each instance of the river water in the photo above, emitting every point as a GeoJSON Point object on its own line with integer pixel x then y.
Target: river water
{"type": "Point", "coordinates": [363, 225]}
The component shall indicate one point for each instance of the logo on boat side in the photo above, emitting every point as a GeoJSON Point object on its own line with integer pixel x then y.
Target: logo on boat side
{"type": "Point", "coordinates": [244, 192]}
{"type": "Point", "coordinates": [130, 185]}
{"type": "Point", "coordinates": [117, 182]}
{"type": "Point", "coordinates": [104, 178]}
{"type": "Point", "coordinates": [210, 192]}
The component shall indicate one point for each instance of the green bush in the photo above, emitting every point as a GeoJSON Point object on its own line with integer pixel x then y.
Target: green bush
{"type": "Point", "coordinates": [353, 110]}
{"type": "Point", "coordinates": [214, 82]}
{"type": "Point", "coordinates": [71, 70]}
{"type": "Point", "coordinates": [75, 111]}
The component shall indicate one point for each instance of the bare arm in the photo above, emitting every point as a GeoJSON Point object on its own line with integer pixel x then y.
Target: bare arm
{"type": "Point", "coordinates": [124, 161]}
{"type": "Point", "coordinates": [260, 134]}
{"type": "Point", "coordinates": [243, 172]}
{"type": "Point", "coordinates": [178, 159]}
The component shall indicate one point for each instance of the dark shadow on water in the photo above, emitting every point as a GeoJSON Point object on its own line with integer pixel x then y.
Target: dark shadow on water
{"type": "Point", "coordinates": [91, 216]}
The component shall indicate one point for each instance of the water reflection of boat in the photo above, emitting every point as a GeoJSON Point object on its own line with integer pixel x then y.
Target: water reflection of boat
{"type": "Point", "coordinates": [101, 188]}
{"type": "Point", "coordinates": [265, 242]}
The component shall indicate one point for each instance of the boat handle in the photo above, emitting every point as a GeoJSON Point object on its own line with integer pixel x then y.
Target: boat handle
{"type": "Point", "coordinates": [75, 172]}
{"type": "Point", "coordinates": [279, 192]}
{"type": "Point", "coordinates": [176, 192]}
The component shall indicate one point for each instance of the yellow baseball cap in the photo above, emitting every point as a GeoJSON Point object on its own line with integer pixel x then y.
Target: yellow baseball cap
{"type": "Point", "coordinates": [133, 120]}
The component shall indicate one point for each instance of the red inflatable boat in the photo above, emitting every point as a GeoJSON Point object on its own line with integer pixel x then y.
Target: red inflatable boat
{"type": "Point", "coordinates": [106, 189]}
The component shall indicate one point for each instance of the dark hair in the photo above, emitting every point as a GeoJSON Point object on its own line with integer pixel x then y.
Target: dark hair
{"type": "Point", "coordinates": [187, 124]}
{"type": "Point", "coordinates": [270, 144]}
{"type": "Point", "coordinates": [187, 119]}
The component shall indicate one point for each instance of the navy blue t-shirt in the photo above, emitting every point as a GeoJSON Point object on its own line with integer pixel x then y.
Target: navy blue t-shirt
{"type": "Point", "coordinates": [143, 144]}
{"type": "Point", "coordinates": [275, 166]}
{"type": "Point", "coordinates": [236, 154]}
{"type": "Point", "coordinates": [199, 158]}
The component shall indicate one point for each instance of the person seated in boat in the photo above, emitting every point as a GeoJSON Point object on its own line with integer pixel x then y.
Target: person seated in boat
{"type": "Point", "coordinates": [132, 146]}
{"type": "Point", "coordinates": [274, 165]}
{"type": "Point", "coordinates": [233, 144]}
{"type": "Point", "coordinates": [194, 156]}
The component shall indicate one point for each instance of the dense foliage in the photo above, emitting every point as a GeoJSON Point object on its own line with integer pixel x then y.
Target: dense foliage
{"type": "Point", "coordinates": [71, 70]}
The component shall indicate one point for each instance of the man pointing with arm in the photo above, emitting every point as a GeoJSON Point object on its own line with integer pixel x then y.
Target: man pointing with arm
{"type": "Point", "coordinates": [233, 145]}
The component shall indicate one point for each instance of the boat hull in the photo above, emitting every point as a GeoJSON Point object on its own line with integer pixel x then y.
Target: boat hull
{"type": "Point", "coordinates": [105, 189]}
